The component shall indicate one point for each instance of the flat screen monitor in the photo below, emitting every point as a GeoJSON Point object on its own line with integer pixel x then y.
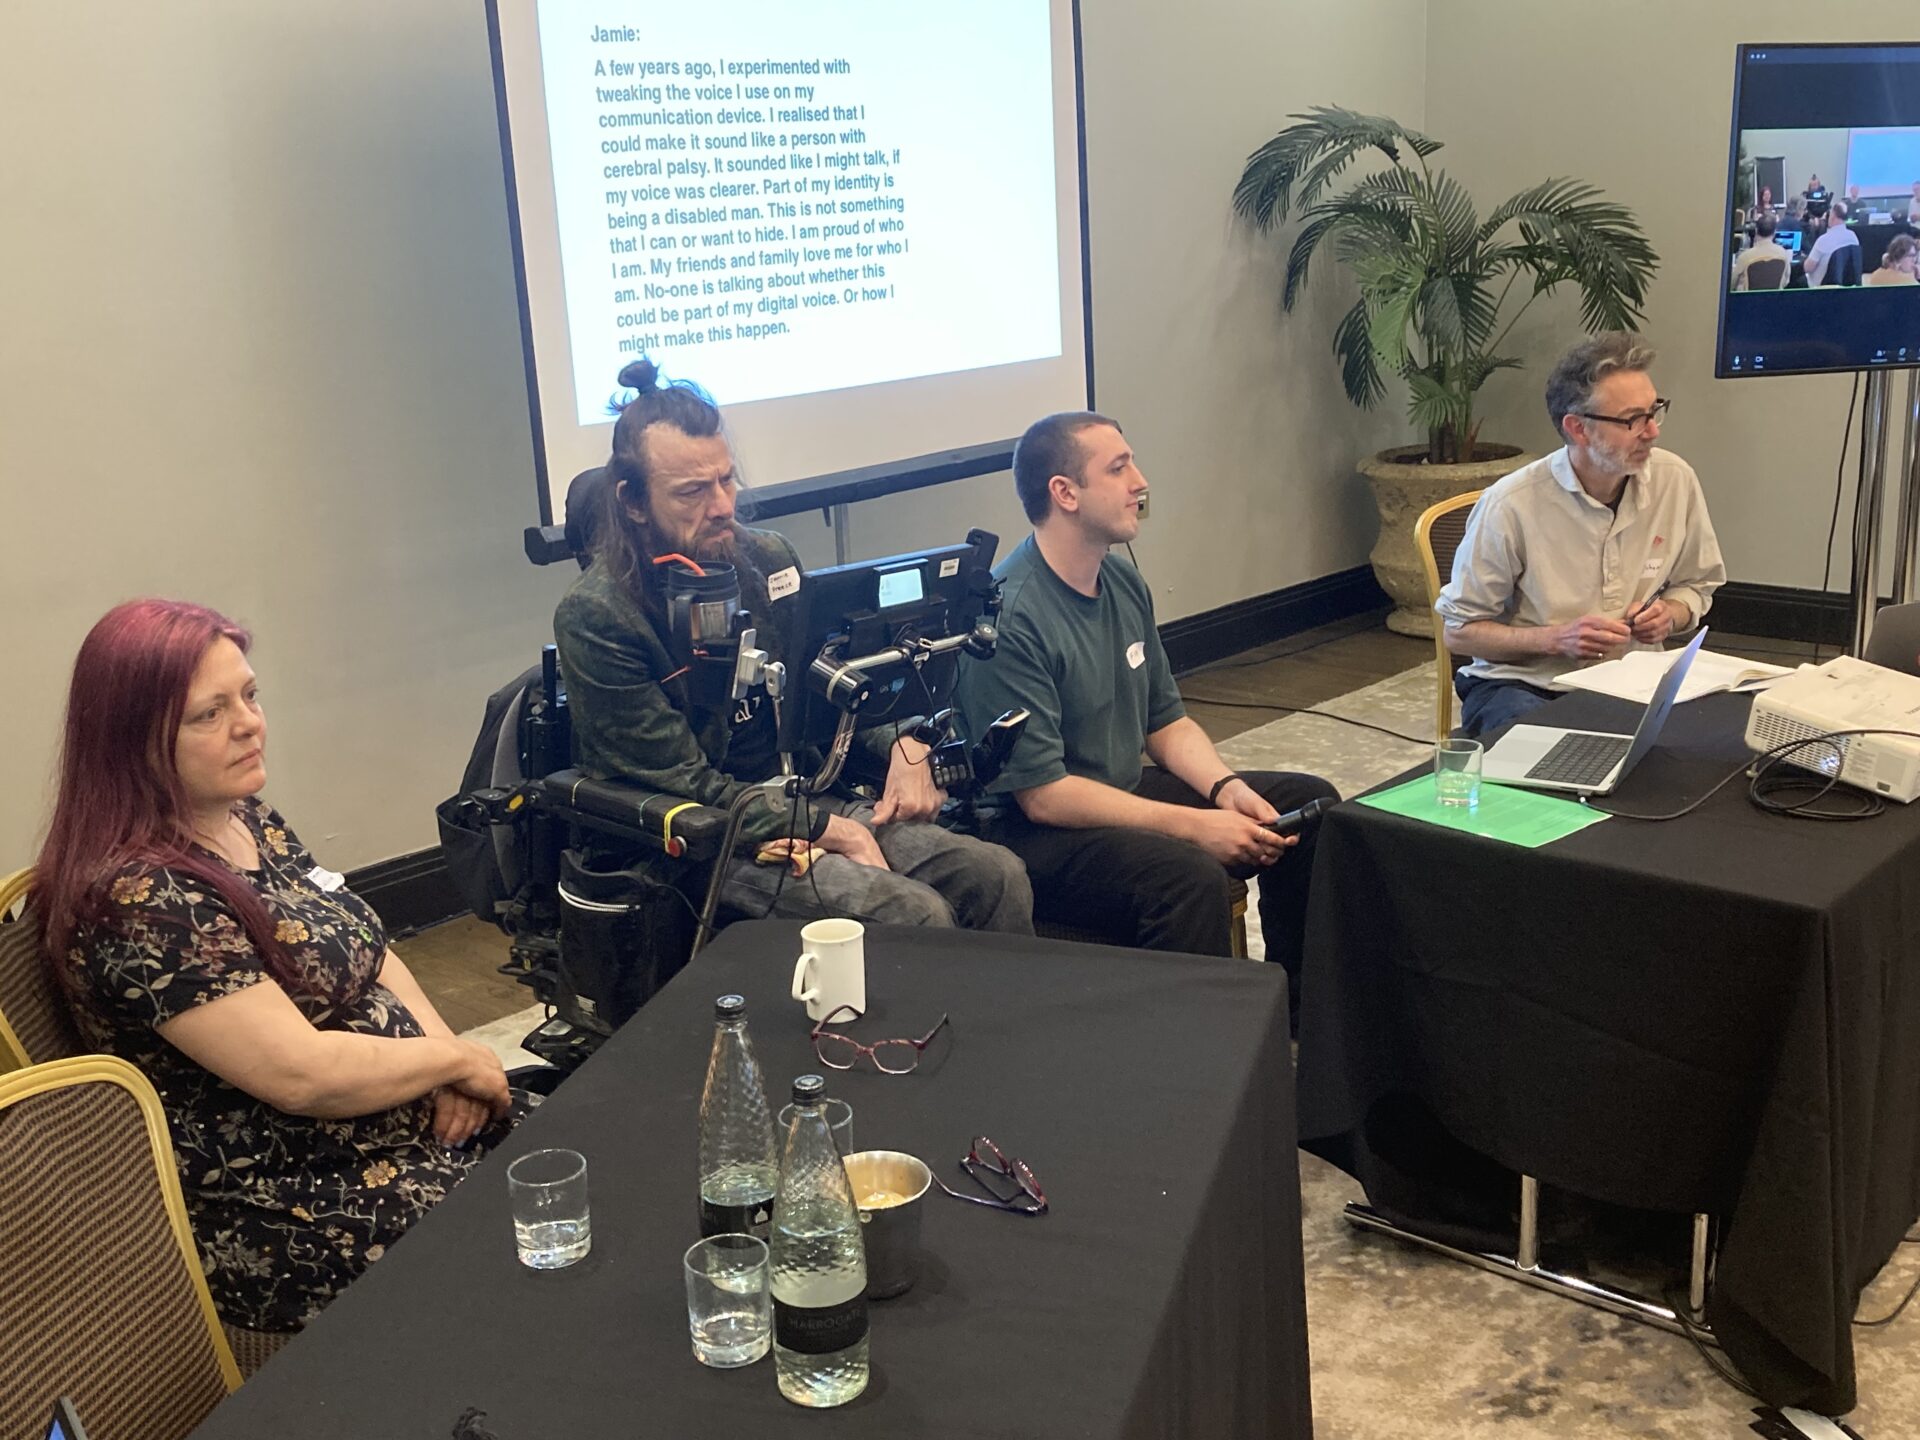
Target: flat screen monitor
{"type": "Point", "coordinates": [864, 607]}
{"type": "Point", "coordinates": [1838, 117]}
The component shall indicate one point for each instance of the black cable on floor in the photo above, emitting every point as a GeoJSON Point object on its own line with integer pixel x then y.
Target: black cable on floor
{"type": "Point", "coordinates": [1304, 710]}
{"type": "Point", "coordinates": [1692, 1332]}
{"type": "Point", "coordinates": [1893, 1314]}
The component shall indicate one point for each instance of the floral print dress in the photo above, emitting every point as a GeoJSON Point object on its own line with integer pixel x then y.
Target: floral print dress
{"type": "Point", "coordinates": [287, 1210]}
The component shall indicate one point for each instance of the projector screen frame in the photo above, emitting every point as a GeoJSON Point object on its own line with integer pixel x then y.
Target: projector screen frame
{"type": "Point", "coordinates": [813, 492]}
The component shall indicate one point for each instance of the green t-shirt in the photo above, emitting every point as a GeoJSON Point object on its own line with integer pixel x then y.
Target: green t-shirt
{"type": "Point", "coordinates": [1090, 669]}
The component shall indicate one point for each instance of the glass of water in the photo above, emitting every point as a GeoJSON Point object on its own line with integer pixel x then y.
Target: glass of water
{"type": "Point", "coordinates": [1456, 771]}
{"type": "Point", "coordinates": [548, 1192]}
{"type": "Point", "coordinates": [729, 1303]}
{"type": "Point", "coordinates": [839, 1120]}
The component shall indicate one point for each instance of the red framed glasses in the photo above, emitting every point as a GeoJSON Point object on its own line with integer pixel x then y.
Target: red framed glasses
{"type": "Point", "coordinates": [843, 1052]}
{"type": "Point", "coordinates": [1010, 1184]}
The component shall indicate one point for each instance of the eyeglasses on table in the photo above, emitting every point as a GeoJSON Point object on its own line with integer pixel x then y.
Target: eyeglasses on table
{"type": "Point", "coordinates": [843, 1052]}
{"type": "Point", "coordinates": [1009, 1184]}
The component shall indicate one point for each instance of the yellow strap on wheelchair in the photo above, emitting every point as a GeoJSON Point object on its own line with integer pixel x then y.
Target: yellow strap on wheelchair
{"type": "Point", "coordinates": [674, 847]}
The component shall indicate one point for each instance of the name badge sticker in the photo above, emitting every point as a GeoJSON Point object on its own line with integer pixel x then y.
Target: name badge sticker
{"type": "Point", "coordinates": [783, 583]}
{"type": "Point", "coordinates": [1652, 568]}
{"type": "Point", "coordinates": [1136, 654]}
{"type": "Point", "coordinates": [328, 880]}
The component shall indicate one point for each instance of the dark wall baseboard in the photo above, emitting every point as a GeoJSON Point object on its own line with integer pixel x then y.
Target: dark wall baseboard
{"type": "Point", "coordinates": [1782, 612]}
{"type": "Point", "coordinates": [1196, 640]}
{"type": "Point", "coordinates": [408, 892]}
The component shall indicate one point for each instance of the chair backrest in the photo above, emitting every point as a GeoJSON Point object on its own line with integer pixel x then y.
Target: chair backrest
{"type": "Point", "coordinates": [1438, 533]}
{"type": "Point", "coordinates": [1767, 275]}
{"type": "Point", "coordinates": [102, 1298]}
{"type": "Point", "coordinates": [1895, 641]}
{"type": "Point", "coordinates": [1843, 267]}
{"type": "Point", "coordinates": [34, 1023]}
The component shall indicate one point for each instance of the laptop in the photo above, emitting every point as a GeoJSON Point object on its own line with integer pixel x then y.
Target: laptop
{"type": "Point", "coordinates": [64, 1426]}
{"type": "Point", "coordinates": [1586, 762]}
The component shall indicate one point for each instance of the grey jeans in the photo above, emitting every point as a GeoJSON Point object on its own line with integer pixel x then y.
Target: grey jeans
{"type": "Point", "coordinates": [936, 878]}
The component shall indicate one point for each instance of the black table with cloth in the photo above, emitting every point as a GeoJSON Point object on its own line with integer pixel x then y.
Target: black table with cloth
{"type": "Point", "coordinates": [1717, 1014]}
{"type": "Point", "coordinates": [1162, 1296]}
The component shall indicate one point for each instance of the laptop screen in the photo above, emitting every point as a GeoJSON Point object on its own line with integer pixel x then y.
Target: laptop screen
{"type": "Point", "coordinates": [64, 1426]}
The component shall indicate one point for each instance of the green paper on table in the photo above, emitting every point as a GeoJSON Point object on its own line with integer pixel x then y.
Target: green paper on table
{"type": "Point", "coordinates": [1505, 812]}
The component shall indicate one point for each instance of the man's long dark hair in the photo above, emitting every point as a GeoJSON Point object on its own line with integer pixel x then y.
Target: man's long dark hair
{"type": "Point", "coordinates": [623, 544]}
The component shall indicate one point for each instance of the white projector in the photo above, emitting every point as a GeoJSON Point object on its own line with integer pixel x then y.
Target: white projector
{"type": "Point", "coordinates": [1846, 694]}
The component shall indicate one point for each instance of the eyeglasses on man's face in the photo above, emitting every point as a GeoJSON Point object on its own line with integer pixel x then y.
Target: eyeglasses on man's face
{"type": "Point", "coordinates": [1638, 422]}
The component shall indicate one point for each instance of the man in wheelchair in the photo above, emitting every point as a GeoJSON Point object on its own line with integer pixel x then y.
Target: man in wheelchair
{"type": "Point", "coordinates": [651, 705]}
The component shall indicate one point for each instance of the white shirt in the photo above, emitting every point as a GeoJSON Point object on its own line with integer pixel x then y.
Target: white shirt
{"type": "Point", "coordinates": [1822, 252]}
{"type": "Point", "coordinates": [1539, 550]}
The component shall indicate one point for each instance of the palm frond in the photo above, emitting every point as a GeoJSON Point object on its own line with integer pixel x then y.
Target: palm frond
{"type": "Point", "coordinates": [1358, 372]}
{"type": "Point", "coordinates": [1296, 165]}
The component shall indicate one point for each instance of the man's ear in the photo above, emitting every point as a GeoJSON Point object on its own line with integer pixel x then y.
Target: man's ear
{"type": "Point", "coordinates": [1066, 494]}
{"type": "Point", "coordinates": [623, 492]}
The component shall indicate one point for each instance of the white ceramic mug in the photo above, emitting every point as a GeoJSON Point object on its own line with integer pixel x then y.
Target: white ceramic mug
{"type": "Point", "coordinates": [832, 968]}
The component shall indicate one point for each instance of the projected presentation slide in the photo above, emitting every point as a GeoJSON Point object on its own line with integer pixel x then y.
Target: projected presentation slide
{"type": "Point", "coordinates": [1823, 240]}
{"type": "Point", "coordinates": [782, 208]}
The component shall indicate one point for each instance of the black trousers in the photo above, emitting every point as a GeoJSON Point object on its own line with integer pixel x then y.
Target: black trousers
{"type": "Point", "coordinates": [1141, 888]}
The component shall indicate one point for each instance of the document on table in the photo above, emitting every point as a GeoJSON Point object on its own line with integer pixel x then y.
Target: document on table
{"type": "Point", "coordinates": [1505, 812]}
{"type": "Point", "coordinates": [1634, 675]}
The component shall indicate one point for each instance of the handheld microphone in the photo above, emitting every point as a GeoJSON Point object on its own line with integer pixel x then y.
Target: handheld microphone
{"type": "Point", "coordinates": [1298, 819]}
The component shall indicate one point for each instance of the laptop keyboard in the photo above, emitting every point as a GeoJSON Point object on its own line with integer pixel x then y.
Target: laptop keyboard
{"type": "Point", "coordinates": [1581, 759]}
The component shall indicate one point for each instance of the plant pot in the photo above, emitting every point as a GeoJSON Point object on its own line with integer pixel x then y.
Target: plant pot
{"type": "Point", "coordinates": [1404, 486]}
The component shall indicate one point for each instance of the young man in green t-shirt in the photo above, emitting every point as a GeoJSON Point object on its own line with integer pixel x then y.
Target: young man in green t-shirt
{"type": "Point", "coordinates": [1139, 853]}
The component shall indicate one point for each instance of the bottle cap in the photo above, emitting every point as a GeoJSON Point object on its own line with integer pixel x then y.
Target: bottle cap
{"type": "Point", "coordinates": [729, 1007]}
{"type": "Point", "coordinates": [809, 1090]}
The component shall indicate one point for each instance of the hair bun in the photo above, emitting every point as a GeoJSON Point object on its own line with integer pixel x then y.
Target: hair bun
{"type": "Point", "coordinates": [642, 375]}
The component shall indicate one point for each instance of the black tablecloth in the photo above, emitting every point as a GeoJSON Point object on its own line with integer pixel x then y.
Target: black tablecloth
{"type": "Point", "coordinates": [1719, 1013]}
{"type": "Point", "coordinates": [1162, 1296]}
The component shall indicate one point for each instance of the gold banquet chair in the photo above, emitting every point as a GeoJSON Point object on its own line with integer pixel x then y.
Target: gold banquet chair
{"type": "Point", "coordinates": [35, 1027]}
{"type": "Point", "coordinates": [1438, 533]}
{"type": "Point", "coordinates": [101, 1295]}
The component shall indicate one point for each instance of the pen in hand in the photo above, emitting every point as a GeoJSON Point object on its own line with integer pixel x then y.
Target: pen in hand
{"type": "Point", "coordinates": [1641, 608]}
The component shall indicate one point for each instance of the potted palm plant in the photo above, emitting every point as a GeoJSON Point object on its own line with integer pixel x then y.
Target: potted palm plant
{"type": "Point", "coordinates": [1435, 285]}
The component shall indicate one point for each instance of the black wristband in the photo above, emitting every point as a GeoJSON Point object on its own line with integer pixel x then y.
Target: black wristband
{"type": "Point", "coordinates": [1213, 795]}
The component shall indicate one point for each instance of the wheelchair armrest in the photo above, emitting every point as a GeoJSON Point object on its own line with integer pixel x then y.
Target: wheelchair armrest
{"type": "Point", "coordinates": [668, 823]}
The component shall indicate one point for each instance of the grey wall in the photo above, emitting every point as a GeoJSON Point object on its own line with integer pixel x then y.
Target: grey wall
{"type": "Point", "coordinates": [261, 350]}
{"type": "Point", "coordinates": [1637, 99]}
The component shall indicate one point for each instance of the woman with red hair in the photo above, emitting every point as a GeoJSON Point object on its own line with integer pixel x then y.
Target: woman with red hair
{"type": "Point", "coordinates": [318, 1103]}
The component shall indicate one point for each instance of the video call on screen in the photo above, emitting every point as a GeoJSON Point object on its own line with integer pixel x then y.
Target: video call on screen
{"type": "Point", "coordinates": [1850, 115]}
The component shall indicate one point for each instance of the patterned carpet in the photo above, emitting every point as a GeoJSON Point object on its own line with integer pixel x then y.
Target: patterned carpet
{"type": "Point", "coordinates": [1409, 1346]}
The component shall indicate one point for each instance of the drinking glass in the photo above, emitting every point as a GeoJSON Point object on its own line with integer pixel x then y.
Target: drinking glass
{"type": "Point", "coordinates": [1456, 771]}
{"type": "Point", "coordinates": [839, 1120]}
{"type": "Point", "coordinates": [729, 1302]}
{"type": "Point", "coordinates": [548, 1192]}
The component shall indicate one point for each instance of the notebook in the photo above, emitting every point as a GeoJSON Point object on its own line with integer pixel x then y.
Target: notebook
{"type": "Point", "coordinates": [1635, 675]}
{"type": "Point", "coordinates": [1586, 762]}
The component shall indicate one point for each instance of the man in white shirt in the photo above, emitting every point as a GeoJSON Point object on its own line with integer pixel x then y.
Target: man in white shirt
{"type": "Point", "coordinates": [1836, 238]}
{"type": "Point", "coordinates": [1764, 247]}
{"type": "Point", "coordinates": [1601, 547]}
